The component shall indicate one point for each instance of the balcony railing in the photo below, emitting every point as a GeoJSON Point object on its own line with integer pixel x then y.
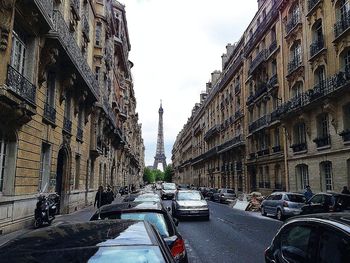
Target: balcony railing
{"type": "Point", "coordinates": [342, 25]}
{"type": "Point", "coordinates": [237, 88]}
{"type": "Point", "coordinates": [231, 143]}
{"type": "Point", "coordinates": [276, 148]}
{"type": "Point", "coordinates": [80, 133]}
{"type": "Point", "coordinates": [238, 114]}
{"type": "Point", "coordinates": [262, 121]}
{"type": "Point", "coordinates": [294, 64]}
{"type": "Point", "coordinates": [261, 89]}
{"type": "Point", "coordinates": [316, 47]}
{"type": "Point", "coordinates": [311, 4]}
{"type": "Point", "coordinates": [292, 23]}
{"type": "Point", "coordinates": [273, 81]}
{"type": "Point", "coordinates": [67, 125]}
{"type": "Point", "coordinates": [258, 60]}
{"type": "Point", "coordinates": [49, 113]}
{"type": "Point", "coordinates": [273, 47]}
{"type": "Point", "coordinates": [211, 132]}
{"type": "Point", "coordinates": [74, 52]}
{"type": "Point", "coordinates": [239, 166]}
{"type": "Point", "coordinates": [323, 141]}
{"type": "Point", "coordinates": [346, 135]}
{"type": "Point", "coordinates": [46, 8]}
{"type": "Point", "coordinates": [20, 85]}
{"type": "Point", "coordinates": [298, 147]}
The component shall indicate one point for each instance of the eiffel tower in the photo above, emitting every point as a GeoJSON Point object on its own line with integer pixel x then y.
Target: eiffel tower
{"type": "Point", "coordinates": [160, 156]}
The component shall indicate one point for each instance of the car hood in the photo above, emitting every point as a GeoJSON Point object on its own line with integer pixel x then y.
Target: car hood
{"type": "Point", "coordinates": [169, 191]}
{"type": "Point", "coordinates": [191, 203]}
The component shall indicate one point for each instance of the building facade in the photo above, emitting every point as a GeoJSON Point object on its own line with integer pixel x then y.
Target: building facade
{"type": "Point", "coordinates": [67, 105]}
{"type": "Point", "coordinates": [276, 117]}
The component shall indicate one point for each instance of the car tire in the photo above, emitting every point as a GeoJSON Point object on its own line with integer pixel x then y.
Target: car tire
{"type": "Point", "coordinates": [263, 213]}
{"type": "Point", "coordinates": [279, 214]}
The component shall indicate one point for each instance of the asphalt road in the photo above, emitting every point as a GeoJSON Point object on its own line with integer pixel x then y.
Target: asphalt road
{"type": "Point", "coordinates": [231, 235]}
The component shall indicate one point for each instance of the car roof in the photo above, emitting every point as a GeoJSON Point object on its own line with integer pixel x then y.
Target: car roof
{"type": "Point", "coordinates": [286, 193]}
{"type": "Point", "coordinates": [341, 220]}
{"type": "Point", "coordinates": [188, 191]}
{"type": "Point", "coordinates": [88, 234]}
{"type": "Point", "coordinates": [131, 206]}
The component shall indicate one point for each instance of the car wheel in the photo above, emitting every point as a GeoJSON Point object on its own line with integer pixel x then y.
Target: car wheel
{"type": "Point", "coordinates": [279, 214]}
{"type": "Point", "coordinates": [263, 211]}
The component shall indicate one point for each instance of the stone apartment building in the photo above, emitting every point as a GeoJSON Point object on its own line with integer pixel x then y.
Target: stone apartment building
{"type": "Point", "coordinates": [67, 105]}
{"type": "Point", "coordinates": [277, 115]}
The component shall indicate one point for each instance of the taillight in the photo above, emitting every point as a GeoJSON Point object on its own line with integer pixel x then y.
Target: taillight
{"type": "Point", "coordinates": [285, 204]}
{"type": "Point", "coordinates": [222, 195]}
{"type": "Point", "coordinates": [330, 208]}
{"type": "Point", "coordinates": [178, 248]}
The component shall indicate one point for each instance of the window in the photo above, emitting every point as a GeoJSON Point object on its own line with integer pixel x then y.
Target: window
{"type": "Point", "coordinates": [322, 125]}
{"type": "Point", "coordinates": [91, 172]}
{"type": "Point", "coordinates": [299, 133]}
{"type": "Point", "coordinates": [317, 199]}
{"type": "Point", "coordinates": [346, 116]}
{"type": "Point", "coordinates": [318, 32]}
{"type": "Point", "coordinates": [320, 77]}
{"type": "Point", "coordinates": [277, 197]}
{"type": "Point", "coordinates": [302, 175]}
{"type": "Point", "coordinates": [296, 53]}
{"type": "Point", "coordinates": [344, 9]}
{"type": "Point", "coordinates": [3, 158]}
{"type": "Point", "coordinates": [51, 87]}
{"type": "Point", "coordinates": [100, 175]}
{"type": "Point", "coordinates": [18, 53]}
{"type": "Point", "coordinates": [77, 172]}
{"type": "Point", "coordinates": [97, 73]}
{"type": "Point", "coordinates": [297, 90]}
{"type": "Point", "coordinates": [44, 173]}
{"type": "Point", "coordinates": [273, 34]}
{"type": "Point", "coordinates": [295, 13]}
{"type": "Point", "coordinates": [67, 110]}
{"type": "Point", "coordinates": [326, 175]}
{"type": "Point", "coordinates": [98, 34]}
{"type": "Point", "coordinates": [346, 59]}
{"type": "Point", "coordinates": [80, 116]}
{"type": "Point", "coordinates": [333, 243]}
{"type": "Point", "coordinates": [277, 137]}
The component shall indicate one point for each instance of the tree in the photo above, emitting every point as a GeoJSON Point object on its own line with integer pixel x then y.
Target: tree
{"type": "Point", "coordinates": [148, 175]}
{"type": "Point", "coordinates": [168, 173]}
{"type": "Point", "coordinates": [158, 175]}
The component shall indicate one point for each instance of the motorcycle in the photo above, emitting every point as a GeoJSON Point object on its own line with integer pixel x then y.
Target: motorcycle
{"type": "Point", "coordinates": [46, 209]}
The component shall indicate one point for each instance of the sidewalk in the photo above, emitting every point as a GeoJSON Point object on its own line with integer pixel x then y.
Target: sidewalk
{"type": "Point", "coordinates": [82, 215]}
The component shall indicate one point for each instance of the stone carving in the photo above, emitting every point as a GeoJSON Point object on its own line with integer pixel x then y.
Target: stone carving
{"type": "Point", "coordinates": [331, 109]}
{"type": "Point", "coordinates": [48, 58]}
{"type": "Point", "coordinates": [6, 9]}
{"type": "Point", "coordinates": [68, 85]}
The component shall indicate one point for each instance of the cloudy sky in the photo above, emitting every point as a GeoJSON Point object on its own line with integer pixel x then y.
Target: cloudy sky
{"type": "Point", "coordinates": [175, 45]}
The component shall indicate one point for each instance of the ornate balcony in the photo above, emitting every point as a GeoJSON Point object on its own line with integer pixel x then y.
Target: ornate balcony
{"type": "Point", "coordinates": [46, 9]}
{"type": "Point", "coordinates": [316, 47]}
{"type": "Point", "coordinates": [261, 122]}
{"type": "Point", "coordinates": [299, 147]}
{"type": "Point", "coordinates": [80, 134]}
{"type": "Point", "coordinates": [62, 33]}
{"type": "Point", "coordinates": [236, 141]}
{"type": "Point", "coordinates": [211, 132]}
{"type": "Point", "coordinates": [342, 25]}
{"type": "Point", "coordinates": [292, 23]}
{"type": "Point", "coordinates": [49, 113]}
{"type": "Point", "coordinates": [261, 57]}
{"type": "Point", "coordinates": [322, 141]}
{"type": "Point", "coordinates": [346, 135]}
{"type": "Point", "coordinates": [273, 81]}
{"type": "Point", "coordinates": [294, 64]}
{"type": "Point", "coordinates": [21, 86]}
{"type": "Point", "coordinates": [67, 125]}
{"type": "Point", "coordinates": [276, 148]}
{"type": "Point", "coordinates": [238, 114]}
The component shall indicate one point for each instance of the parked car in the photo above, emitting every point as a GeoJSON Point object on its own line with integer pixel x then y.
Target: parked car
{"type": "Point", "coordinates": [327, 202]}
{"type": "Point", "coordinates": [190, 203]}
{"type": "Point", "coordinates": [224, 195]}
{"type": "Point", "coordinates": [168, 190]}
{"type": "Point", "coordinates": [314, 238]}
{"type": "Point", "coordinates": [183, 186]}
{"type": "Point", "coordinates": [154, 213]}
{"type": "Point", "coordinates": [282, 204]}
{"type": "Point", "coordinates": [100, 241]}
{"type": "Point", "coordinates": [142, 197]}
{"type": "Point", "coordinates": [210, 194]}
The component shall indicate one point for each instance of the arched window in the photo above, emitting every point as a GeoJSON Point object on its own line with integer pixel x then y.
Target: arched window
{"type": "Point", "coordinates": [317, 38]}
{"type": "Point", "coordinates": [297, 89]}
{"type": "Point", "coordinates": [326, 176]}
{"type": "Point", "coordinates": [320, 78]}
{"type": "Point", "coordinates": [302, 176]}
{"type": "Point", "coordinates": [295, 59]}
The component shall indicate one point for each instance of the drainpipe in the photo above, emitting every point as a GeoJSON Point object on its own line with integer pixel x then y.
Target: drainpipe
{"type": "Point", "coordinates": [285, 137]}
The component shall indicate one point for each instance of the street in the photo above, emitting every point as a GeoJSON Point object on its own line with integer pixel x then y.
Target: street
{"type": "Point", "coordinates": [230, 236]}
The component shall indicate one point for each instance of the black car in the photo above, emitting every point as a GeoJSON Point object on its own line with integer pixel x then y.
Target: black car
{"type": "Point", "coordinates": [154, 213]}
{"type": "Point", "coordinates": [168, 190]}
{"type": "Point", "coordinates": [323, 238]}
{"type": "Point", "coordinates": [126, 241]}
{"type": "Point", "coordinates": [326, 202]}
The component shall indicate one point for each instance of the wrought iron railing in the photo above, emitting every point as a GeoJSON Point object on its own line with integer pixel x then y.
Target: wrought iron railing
{"type": "Point", "coordinates": [238, 114]}
{"type": "Point", "coordinates": [294, 64]}
{"type": "Point", "coordinates": [20, 85]}
{"type": "Point", "coordinates": [74, 52]}
{"type": "Point", "coordinates": [346, 135]}
{"type": "Point", "coordinates": [49, 113]}
{"type": "Point", "coordinates": [212, 131]}
{"type": "Point", "coordinates": [67, 125]}
{"type": "Point", "coordinates": [273, 81]}
{"type": "Point", "coordinates": [316, 47]}
{"type": "Point", "coordinates": [342, 25]}
{"type": "Point", "coordinates": [261, 57]}
{"type": "Point", "coordinates": [261, 89]}
{"type": "Point", "coordinates": [231, 143]}
{"type": "Point", "coordinates": [252, 155]}
{"type": "Point", "coordinates": [80, 133]}
{"type": "Point", "coordinates": [311, 4]}
{"type": "Point", "coordinates": [292, 22]}
{"type": "Point", "coordinates": [46, 7]}
{"type": "Point", "coordinates": [322, 141]}
{"type": "Point", "coordinates": [262, 121]}
{"type": "Point", "coordinates": [276, 148]}
{"type": "Point", "coordinates": [272, 47]}
{"type": "Point", "coordinates": [298, 147]}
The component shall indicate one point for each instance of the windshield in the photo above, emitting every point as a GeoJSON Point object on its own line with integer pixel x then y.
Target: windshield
{"type": "Point", "coordinates": [156, 219]}
{"type": "Point", "coordinates": [296, 198]}
{"type": "Point", "coordinates": [169, 186]}
{"type": "Point", "coordinates": [189, 196]}
{"type": "Point", "coordinates": [230, 191]}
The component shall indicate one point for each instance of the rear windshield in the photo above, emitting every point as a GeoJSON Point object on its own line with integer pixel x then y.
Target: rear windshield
{"type": "Point", "coordinates": [296, 198]}
{"type": "Point", "coordinates": [169, 186]}
{"type": "Point", "coordinates": [156, 219]}
{"type": "Point", "coordinates": [189, 196]}
{"type": "Point", "coordinates": [230, 191]}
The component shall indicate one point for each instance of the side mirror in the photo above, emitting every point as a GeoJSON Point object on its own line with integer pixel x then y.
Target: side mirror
{"type": "Point", "coordinates": [176, 221]}
{"type": "Point", "coordinates": [168, 208]}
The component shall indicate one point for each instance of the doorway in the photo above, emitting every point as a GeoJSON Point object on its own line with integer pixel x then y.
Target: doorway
{"type": "Point", "coordinates": [61, 179]}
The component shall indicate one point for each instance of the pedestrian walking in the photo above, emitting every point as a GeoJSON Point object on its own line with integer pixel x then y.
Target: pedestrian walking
{"type": "Point", "coordinates": [110, 195]}
{"type": "Point", "coordinates": [308, 193]}
{"type": "Point", "coordinates": [345, 190]}
{"type": "Point", "coordinates": [100, 197]}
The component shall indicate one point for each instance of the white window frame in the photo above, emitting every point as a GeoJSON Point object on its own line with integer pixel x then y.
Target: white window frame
{"type": "Point", "coordinates": [4, 146]}
{"type": "Point", "coordinates": [18, 50]}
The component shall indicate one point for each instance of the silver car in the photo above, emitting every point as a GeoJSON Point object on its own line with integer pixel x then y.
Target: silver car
{"type": "Point", "coordinates": [190, 203]}
{"type": "Point", "coordinates": [282, 204]}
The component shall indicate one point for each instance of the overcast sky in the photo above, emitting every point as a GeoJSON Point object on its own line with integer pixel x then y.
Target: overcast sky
{"type": "Point", "coordinates": [175, 45]}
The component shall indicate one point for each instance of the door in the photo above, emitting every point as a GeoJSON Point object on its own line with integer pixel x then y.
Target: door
{"type": "Point", "coordinates": [315, 205]}
{"type": "Point", "coordinates": [62, 184]}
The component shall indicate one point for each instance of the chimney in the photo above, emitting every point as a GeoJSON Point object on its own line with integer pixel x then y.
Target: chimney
{"type": "Point", "coordinates": [208, 87]}
{"type": "Point", "coordinates": [223, 61]}
{"type": "Point", "coordinates": [260, 3]}
{"type": "Point", "coordinates": [215, 76]}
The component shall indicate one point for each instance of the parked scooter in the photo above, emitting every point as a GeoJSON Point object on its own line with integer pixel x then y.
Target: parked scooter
{"type": "Point", "coordinates": [46, 209]}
